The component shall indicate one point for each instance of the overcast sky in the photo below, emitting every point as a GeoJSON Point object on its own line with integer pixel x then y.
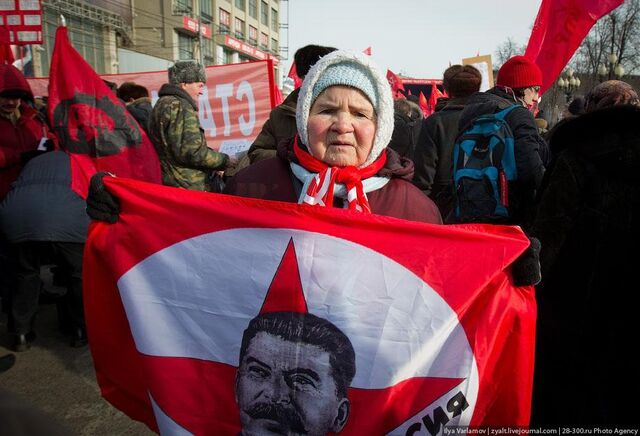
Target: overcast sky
{"type": "Point", "coordinates": [417, 38]}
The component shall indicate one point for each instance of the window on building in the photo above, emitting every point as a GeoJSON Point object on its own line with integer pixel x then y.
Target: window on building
{"type": "Point", "coordinates": [274, 19]}
{"type": "Point", "coordinates": [274, 45]}
{"type": "Point", "coordinates": [224, 18]}
{"type": "Point", "coordinates": [264, 41]}
{"type": "Point", "coordinates": [264, 13]}
{"type": "Point", "coordinates": [239, 28]}
{"type": "Point", "coordinates": [240, 4]}
{"type": "Point", "coordinates": [181, 6]}
{"type": "Point", "coordinates": [87, 37]}
{"type": "Point", "coordinates": [253, 9]}
{"type": "Point", "coordinates": [253, 35]}
{"type": "Point", "coordinates": [208, 51]}
{"type": "Point", "coordinates": [185, 47]}
{"type": "Point", "coordinates": [206, 9]}
{"type": "Point", "coordinates": [227, 56]}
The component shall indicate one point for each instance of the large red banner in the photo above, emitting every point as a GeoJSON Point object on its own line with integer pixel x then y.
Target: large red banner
{"type": "Point", "coordinates": [279, 318]}
{"type": "Point", "coordinates": [236, 102]}
{"type": "Point", "coordinates": [559, 29]}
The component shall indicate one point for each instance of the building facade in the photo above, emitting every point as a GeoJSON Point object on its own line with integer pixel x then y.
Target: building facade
{"type": "Point", "coordinates": [122, 36]}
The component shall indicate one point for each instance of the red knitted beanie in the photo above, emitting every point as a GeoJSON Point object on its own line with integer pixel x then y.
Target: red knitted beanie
{"type": "Point", "coordinates": [519, 72]}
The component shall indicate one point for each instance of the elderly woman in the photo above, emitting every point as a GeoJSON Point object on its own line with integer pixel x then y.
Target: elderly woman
{"type": "Point", "coordinates": [588, 222]}
{"type": "Point", "coordinates": [340, 158]}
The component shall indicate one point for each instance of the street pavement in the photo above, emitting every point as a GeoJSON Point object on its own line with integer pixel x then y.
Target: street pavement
{"type": "Point", "coordinates": [60, 381]}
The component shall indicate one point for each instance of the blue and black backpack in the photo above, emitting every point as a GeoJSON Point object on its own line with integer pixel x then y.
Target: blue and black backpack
{"type": "Point", "coordinates": [483, 165]}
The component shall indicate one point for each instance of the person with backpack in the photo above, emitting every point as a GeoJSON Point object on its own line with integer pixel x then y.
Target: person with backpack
{"type": "Point", "coordinates": [434, 149]}
{"type": "Point", "coordinates": [497, 164]}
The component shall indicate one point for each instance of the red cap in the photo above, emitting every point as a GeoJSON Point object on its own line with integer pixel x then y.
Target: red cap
{"type": "Point", "coordinates": [519, 72]}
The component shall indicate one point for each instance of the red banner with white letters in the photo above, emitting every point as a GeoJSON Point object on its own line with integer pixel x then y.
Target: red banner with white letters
{"type": "Point", "coordinates": [278, 318]}
{"type": "Point", "coordinates": [236, 102]}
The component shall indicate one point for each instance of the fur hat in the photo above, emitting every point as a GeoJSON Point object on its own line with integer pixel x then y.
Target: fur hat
{"type": "Point", "coordinates": [186, 72]}
{"type": "Point", "coordinates": [610, 93]}
{"type": "Point", "coordinates": [461, 80]}
{"type": "Point", "coordinates": [519, 72]}
{"type": "Point", "coordinates": [355, 70]}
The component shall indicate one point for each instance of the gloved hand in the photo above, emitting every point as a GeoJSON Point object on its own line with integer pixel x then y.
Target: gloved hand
{"type": "Point", "coordinates": [526, 268]}
{"type": "Point", "coordinates": [101, 205]}
{"type": "Point", "coordinates": [26, 156]}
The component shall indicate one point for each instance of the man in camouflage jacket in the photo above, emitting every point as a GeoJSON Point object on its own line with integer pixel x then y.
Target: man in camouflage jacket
{"type": "Point", "coordinates": [175, 131]}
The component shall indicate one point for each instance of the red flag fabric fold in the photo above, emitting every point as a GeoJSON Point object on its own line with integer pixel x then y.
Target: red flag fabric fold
{"type": "Point", "coordinates": [92, 124]}
{"type": "Point", "coordinates": [559, 29]}
{"type": "Point", "coordinates": [293, 73]}
{"type": "Point", "coordinates": [6, 54]}
{"type": "Point", "coordinates": [367, 51]}
{"type": "Point", "coordinates": [396, 84]}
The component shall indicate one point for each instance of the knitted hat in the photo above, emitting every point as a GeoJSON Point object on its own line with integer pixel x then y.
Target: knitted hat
{"type": "Point", "coordinates": [461, 80]}
{"type": "Point", "coordinates": [186, 72]}
{"type": "Point", "coordinates": [519, 72]}
{"type": "Point", "coordinates": [610, 93]}
{"type": "Point", "coordinates": [355, 70]}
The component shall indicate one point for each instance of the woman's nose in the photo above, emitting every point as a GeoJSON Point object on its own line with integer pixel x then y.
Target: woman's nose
{"type": "Point", "coordinates": [342, 123]}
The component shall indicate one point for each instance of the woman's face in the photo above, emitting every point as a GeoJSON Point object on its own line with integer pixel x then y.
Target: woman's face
{"type": "Point", "coordinates": [341, 126]}
{"type": "Point", "coordinates": [531, 94]}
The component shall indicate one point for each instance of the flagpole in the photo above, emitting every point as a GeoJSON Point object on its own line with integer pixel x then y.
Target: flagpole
{"type": "Point", "coordinates": [62, 21]}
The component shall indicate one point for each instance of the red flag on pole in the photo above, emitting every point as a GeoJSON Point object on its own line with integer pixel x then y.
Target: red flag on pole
{"type": "Point", "coordinates": [92, 124]}
{"type": "Point", "coordinates": [440, 335]}
{"type": "Point", "coordinates": [293, 73]}
{"type": "Point", "coordinates": [395, 82]}
{"type": "Point", "coordinates": [433, 97]}
{"type": "Point", "coordinates": [559, 29]}
{"type": "Point", "coordinates": [6, 54]}
{"type": "Point", "coordinates": [367, 51]}
{"type": "Point", "coordinates": [424, 104]}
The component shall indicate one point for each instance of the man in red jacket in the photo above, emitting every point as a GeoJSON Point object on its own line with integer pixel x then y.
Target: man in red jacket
{"type": "Point", "coordinates": [22, 129]}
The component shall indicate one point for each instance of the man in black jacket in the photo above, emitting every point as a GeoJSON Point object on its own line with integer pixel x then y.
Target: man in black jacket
{"type": "Point", "coordinates": [518, 83]}
{"type": "Point", "coordinates": [433, 153]}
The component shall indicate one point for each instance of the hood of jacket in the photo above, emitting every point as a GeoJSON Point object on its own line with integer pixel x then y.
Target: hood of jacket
{"type": "Point", "coordinates": [11, 79]}
{"type": "Point", "coordinates": [396, 166]}
{"type": "Point", "coordinates": [172, 90]}
{"type": "Point", "coordinates": [481, 103]}
{"type": "Point", "coordinates": [609, 138]}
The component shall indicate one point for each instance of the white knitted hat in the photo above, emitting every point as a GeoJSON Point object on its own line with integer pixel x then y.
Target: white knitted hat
{"type": "Point", "coordinates": [364, 76]}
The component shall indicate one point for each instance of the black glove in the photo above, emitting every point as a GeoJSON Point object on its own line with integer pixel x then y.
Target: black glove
{"type": "Point", "coordinates": [26, 156]}
{"type": "Point", "coordinates": [101, 205]}
{"type": "Point", "coordinates": [49, 145]}
{"type": "Point", "coordinates": [526, 268]}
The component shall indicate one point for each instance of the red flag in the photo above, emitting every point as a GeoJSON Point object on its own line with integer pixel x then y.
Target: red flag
{"type": "Point", "coordinates": [396, 84]}
{"type": "Point", "coordinates": [367, 51]}
{"type": "Point", "coordinates": [433, 97]}
{"type": "Point", "coordinates": [6, 54]}
{"type": "Point", "coordinates": [440, 334]}
{"type": "Point", "coordinates": [293, 73]}
{"type": "Point", "coordinates": [92, 124]}
{"type": "Point", "coordinates": [424, 105]}
{"type": "Point", "coordinates": [559, 29]}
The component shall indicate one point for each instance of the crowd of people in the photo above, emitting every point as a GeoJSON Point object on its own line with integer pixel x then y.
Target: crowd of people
{"type": "Point", "coordinates": [343, 140]}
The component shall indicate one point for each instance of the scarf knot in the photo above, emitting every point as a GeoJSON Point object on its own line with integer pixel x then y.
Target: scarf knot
{"type": "Point", "coordinates": [320, 190]}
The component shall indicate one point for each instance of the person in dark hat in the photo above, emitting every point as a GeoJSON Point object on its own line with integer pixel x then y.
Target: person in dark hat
{"type": "Point", "coordinates": [282, 119]}
{"type": "Point", "coordinates": [433, 152]}
{"type": "Point", "coordinates": [588, 221]}
{"type": "Point", "coordinates": [518, 84]}
{"type": "Point", "coordinates": [174, 129]}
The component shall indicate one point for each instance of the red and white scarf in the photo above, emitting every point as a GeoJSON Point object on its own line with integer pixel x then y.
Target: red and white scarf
{"type": "Point", "coordinates": [320, 190]}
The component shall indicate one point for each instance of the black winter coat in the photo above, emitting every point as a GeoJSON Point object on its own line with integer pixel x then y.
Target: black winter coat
{"type": "Point", "coordinates": [588, 222]}
{"type": "Point", "coordinates": [528, 146]}
{"type": "Point", "coordinates": [41, 205]}
{"type": "Point", "coordinates": [434, 151]}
